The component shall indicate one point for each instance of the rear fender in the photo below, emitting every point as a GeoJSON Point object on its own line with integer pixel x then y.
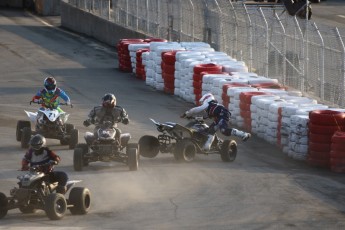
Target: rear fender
{"type": "Point", "coordinates": [124, 138]}
{"type": "Point", "coordinates": [70, 183]}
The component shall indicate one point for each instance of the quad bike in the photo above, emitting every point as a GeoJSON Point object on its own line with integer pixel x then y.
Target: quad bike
{"type": "Point", "coordinates": [185, 141]}
{"type": "Point", "coordinates": [51, 124]}
{"type": "Point", "coordinates": [105, 147]}
{"type": "Point", "coordinates": [36, 192]}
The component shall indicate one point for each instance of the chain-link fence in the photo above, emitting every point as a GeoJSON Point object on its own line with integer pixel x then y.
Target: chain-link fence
{"type": "Point", "coordinates": [299, 53]}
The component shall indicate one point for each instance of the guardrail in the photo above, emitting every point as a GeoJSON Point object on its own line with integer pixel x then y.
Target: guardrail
{"type": "Point", "coordinates": [299, 53]}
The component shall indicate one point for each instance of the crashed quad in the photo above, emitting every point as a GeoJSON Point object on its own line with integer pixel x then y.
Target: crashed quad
{"type": "Point", "coordinates": [105, 147]}
{"type": "Point", "coordinates": [50, 123]}
{"type": "Point", "coordinates": [185, 141]}
{"type": "Point", "coordinates": [36, 192]}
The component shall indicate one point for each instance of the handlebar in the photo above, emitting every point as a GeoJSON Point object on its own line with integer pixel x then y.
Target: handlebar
{"type": "Point", "coordinates": [40, 103]}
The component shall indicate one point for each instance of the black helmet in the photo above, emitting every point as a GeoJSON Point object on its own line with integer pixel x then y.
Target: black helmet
{"type": "Point", "coordinates": [50, 84]}
{"type": "Point", "coordinates": [109, 100]}
{"type": "Point", "coordinates": [37, 142]}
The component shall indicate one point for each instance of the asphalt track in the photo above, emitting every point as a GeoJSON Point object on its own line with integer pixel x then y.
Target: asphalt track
{"type": "Point", "coordinates": [261, 189]}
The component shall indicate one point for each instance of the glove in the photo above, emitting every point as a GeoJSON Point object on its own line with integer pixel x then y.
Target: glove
{"type": "Point", "coordinates": [87, 123]}
{"type": "Point", "coordinates": [125, 121]}
{"type": "Point", "coordinates": [183, 115]}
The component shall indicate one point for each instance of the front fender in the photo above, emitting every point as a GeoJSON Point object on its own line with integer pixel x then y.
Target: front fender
{"type": "Point", "coordinates": [32, 116]}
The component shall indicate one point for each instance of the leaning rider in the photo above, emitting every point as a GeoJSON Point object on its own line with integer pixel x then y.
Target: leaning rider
{"type": "Point", "coordinates": [221, 116]}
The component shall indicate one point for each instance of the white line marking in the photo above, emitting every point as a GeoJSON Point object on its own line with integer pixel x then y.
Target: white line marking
{"type": "Point", "coordinates": [342, 16]}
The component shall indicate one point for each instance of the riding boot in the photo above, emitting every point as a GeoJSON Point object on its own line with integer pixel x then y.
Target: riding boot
{"type": "Point", "coordinates": [208, 143]}
{"type": "Point", "coordinates": [245, 136]}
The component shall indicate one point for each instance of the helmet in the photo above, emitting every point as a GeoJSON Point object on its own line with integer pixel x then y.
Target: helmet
{"type": "Point", "coordinates": [50, 84]}
{"type": "Point", "coordinates": [206, 98]}
{"type": "Point", "coordinates": [109, 100]}
{"type": "Point", "coordinates": [37, 142]}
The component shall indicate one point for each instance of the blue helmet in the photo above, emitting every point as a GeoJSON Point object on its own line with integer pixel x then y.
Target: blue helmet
{"type": "Point", "coordinates": [50, 85]}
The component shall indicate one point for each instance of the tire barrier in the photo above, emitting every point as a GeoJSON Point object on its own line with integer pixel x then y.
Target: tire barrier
{"type": "Point", "coordinates": [299, 126]}
{"type": "Point", "coordinates": [211, 82]}
{"type": "Point", "coordinates": [140, 65]}
{"type": "Point", "coordinates": [326, 123]}
{"type": "Point", "coordinates": [337, 154]}
{"type": "Point", "coordinates": [125, 63]}
{"type": "Point", "coordinates": [133, 48]}
{"type": "Point", "coordinates": [197, 70]}
{"type": "Point", "coordinates": [168, 71]}
{"type": "Point", "coordinates": [245, 107]}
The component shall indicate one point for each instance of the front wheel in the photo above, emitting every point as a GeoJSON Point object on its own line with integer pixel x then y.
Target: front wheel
{"type": "Point", "coordinates": [184, 151]}
{"type": "Point", "coordinates": [148, 146]}
{"type": "Point", "coordinates": [78, 159]}
{"type": "Point", "coordinates": [20, 126]}
{"type": "Point", "coordinates": [73, 141]}
{"type": "Point", "coordinates": [80, 199]}
{"type": "Point", "coordinates": [3, 205]}
{"type": "Point", "coordinates": [55, 206]}
{"type": "Point", "coordinates": [228, 151]}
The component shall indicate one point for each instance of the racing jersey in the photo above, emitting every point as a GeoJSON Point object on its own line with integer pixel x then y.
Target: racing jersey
{"type": "Point", "coordinates": [214, 110]}
{"type": "Point", "coordinates": [51, 100]}
{"type": "Point", "coordinates": [30, 158]}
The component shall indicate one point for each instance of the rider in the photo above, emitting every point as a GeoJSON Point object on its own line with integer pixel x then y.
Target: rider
{"type": "Point", "coordinates": [108, 111]}
{"type": "Point", "coordinates": [40, 155]}
{"type": "Point", "coordinates": [49, 97]}
{"type": "Point", "coordinates": [221, 117]}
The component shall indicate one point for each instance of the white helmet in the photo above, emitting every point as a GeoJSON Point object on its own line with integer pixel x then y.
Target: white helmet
{"type": "Point", "coordinates": [206, 98]}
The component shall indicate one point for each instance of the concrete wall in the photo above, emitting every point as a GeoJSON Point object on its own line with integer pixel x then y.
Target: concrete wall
{"type": "Point", "coordinates": [47, 7]}
{"type": "Point", "coordinates": [12, 3]}
{"type": "Point", "coordinates": [85, 23]}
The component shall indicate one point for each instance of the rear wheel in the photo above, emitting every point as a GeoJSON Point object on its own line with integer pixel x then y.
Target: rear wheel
{"type": "Point", "coordinates": [148, 146]}
{"type": "Point", "coordinates": [20, 126]}
{"type": "Point", "coordinates": [26, 135]}
{"type": "Point", "coordinates": [73, 141]}
{"type": "Point", "coordinates": [85, 149]}
{"type": "Point", "coordinates": [133, 159]}
{"type": "Point", "coordinates": [78, 159]}
{"type": "Point", "coordinates": [80, 198]}
{"type": "Point", "coordinates": [185, 151]}
{"type": "Point", "coordinates": [3, 205]}
{"type": "Point", "coordinates": [228, 151]}
{"type": "Point", "coordinates": [55, 206]}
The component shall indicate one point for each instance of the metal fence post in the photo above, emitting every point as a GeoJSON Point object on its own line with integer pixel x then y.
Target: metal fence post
{"type": "Point", "coordinates": [250, 39]}
{"type": "Point", "coordinates": [342, 93]}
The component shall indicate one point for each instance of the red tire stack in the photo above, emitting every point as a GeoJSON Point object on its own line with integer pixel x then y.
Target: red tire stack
{"type": "Point", "coordinates": [225, 96]}
{"type": "Point", "coordinates": [125, 63]}
{"type": "Point", "coordinates": [245, 102]}
{"type": "Point", "coordinates": [168, 70]}
{"type": "Point", "coordinates": [197, 77]}
{"type": "Point", "coordinates": [140, 68]}
{"type": "Point", "coordinates": [338, 152]}
{"type": "Point", "coordinates": [322, 126]}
